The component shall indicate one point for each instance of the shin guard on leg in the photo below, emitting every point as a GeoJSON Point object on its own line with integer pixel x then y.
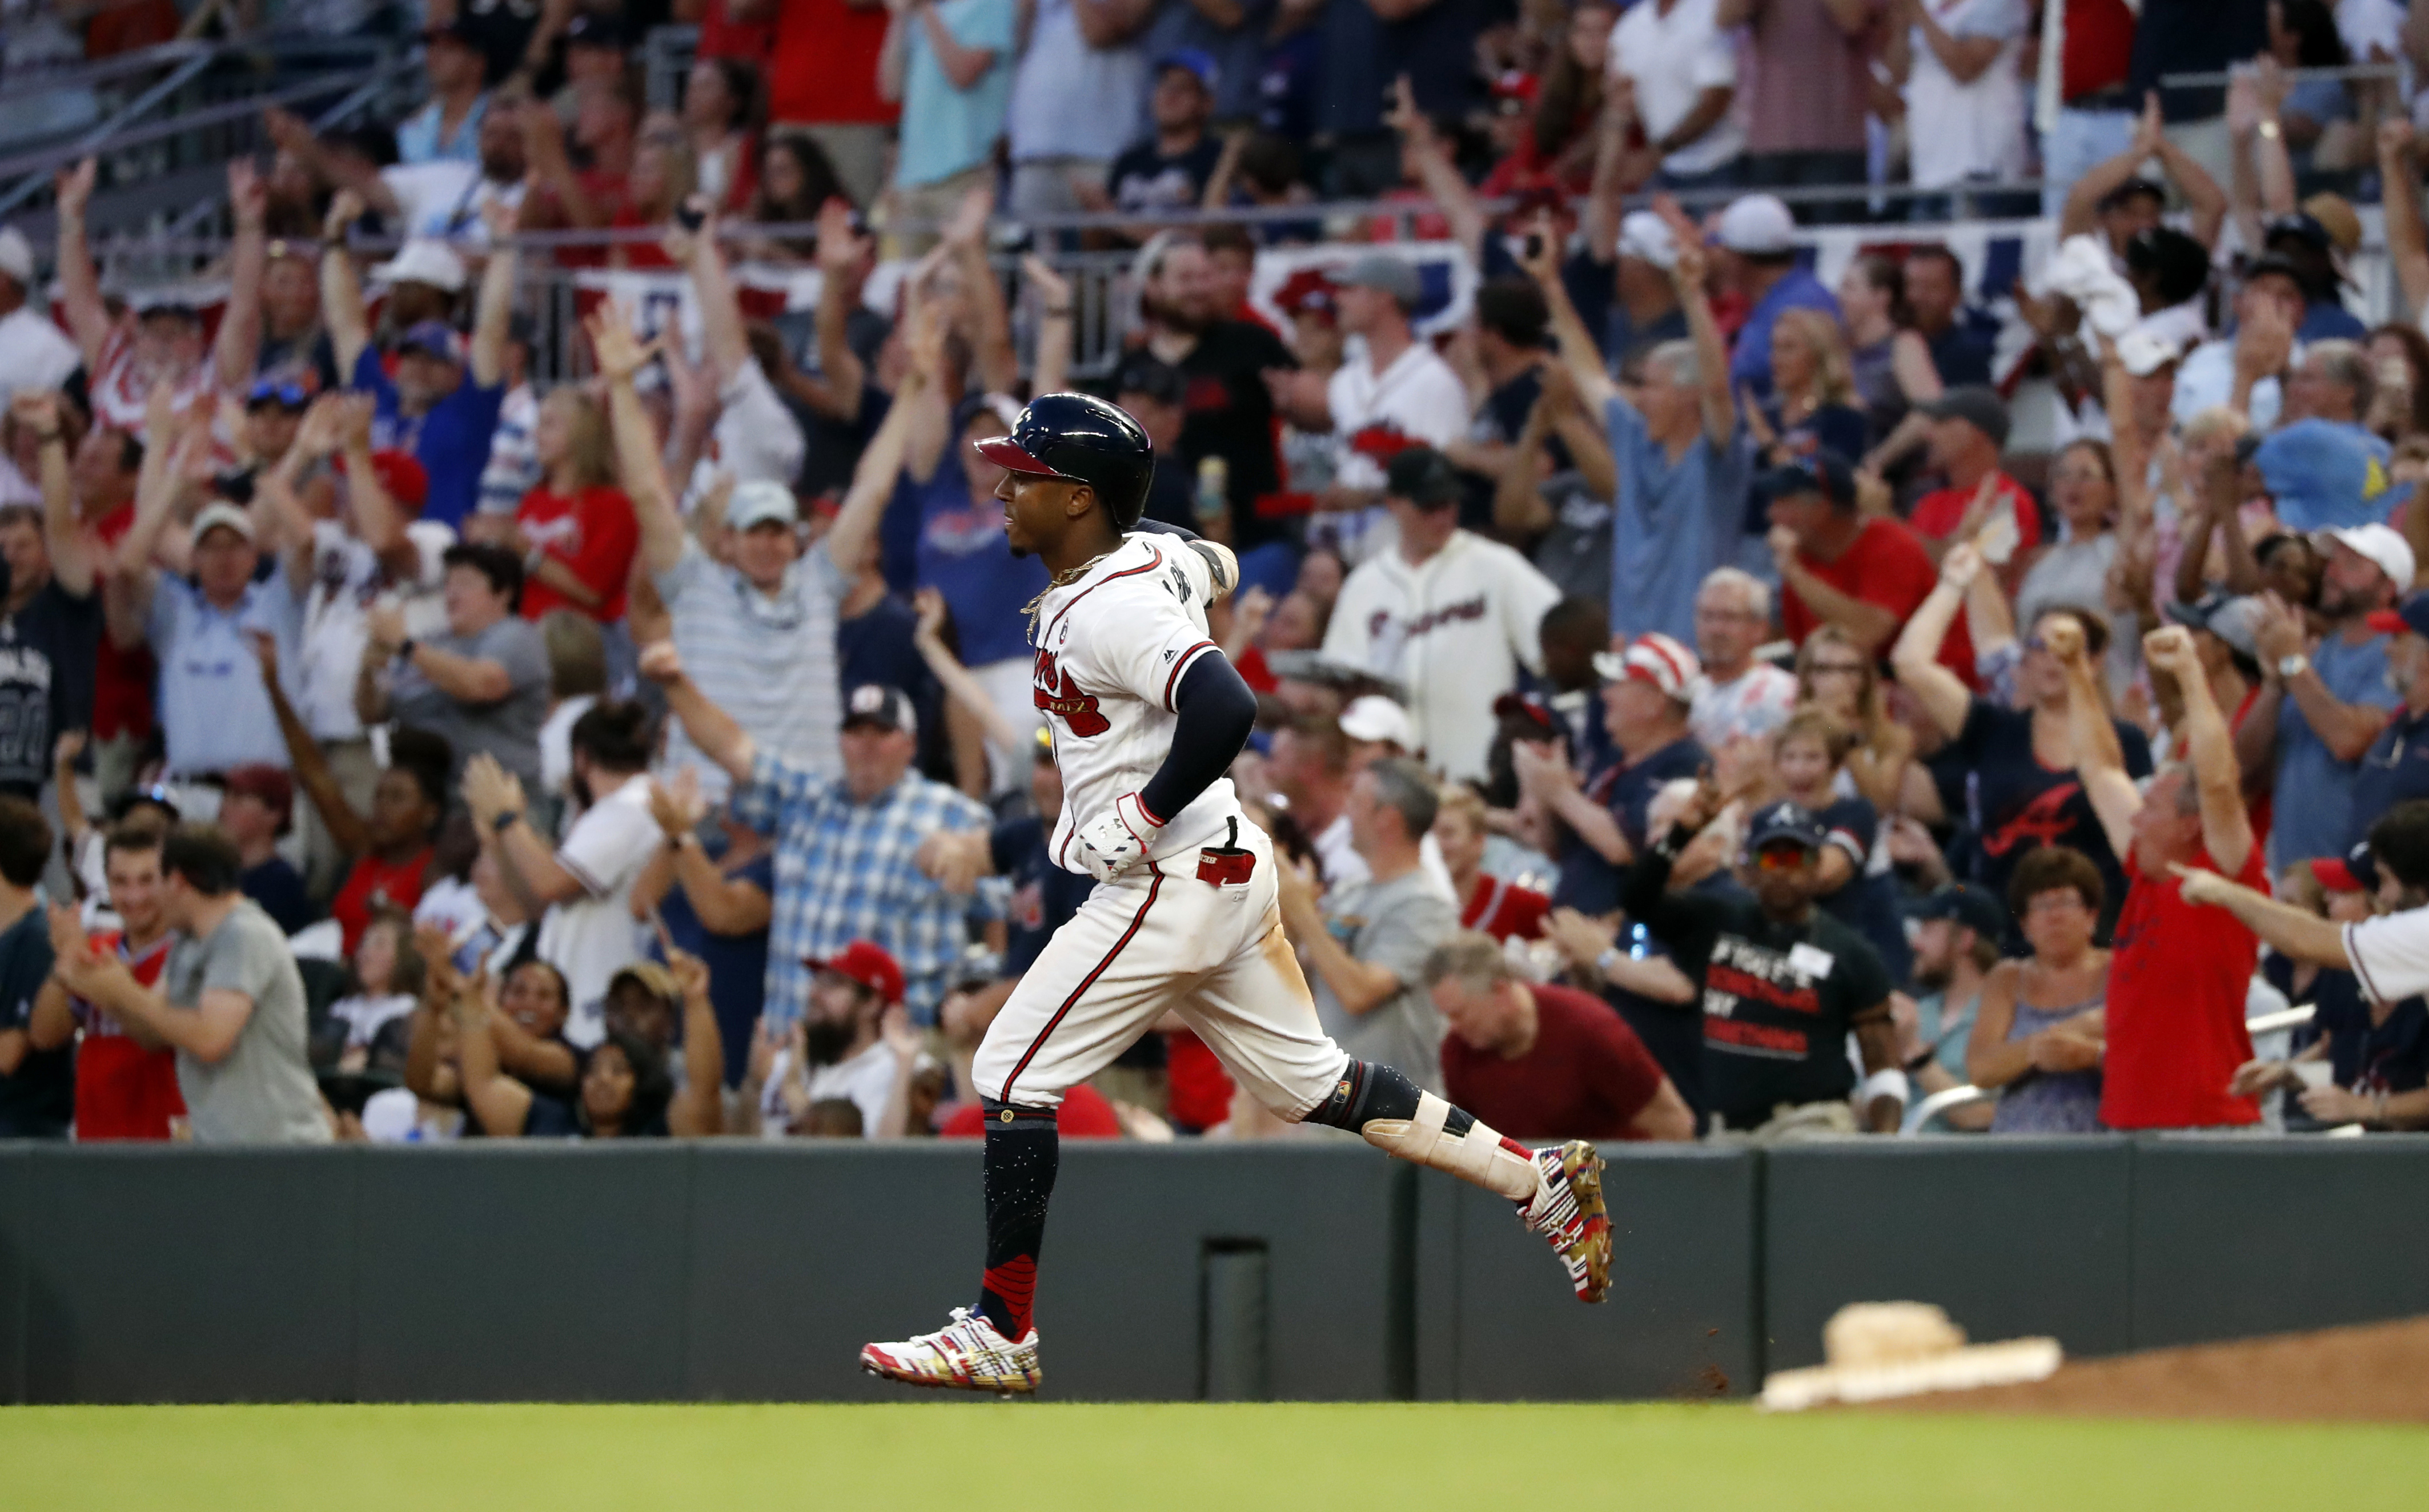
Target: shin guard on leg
{"type": "Point", "coordinates": [1394, 1114]}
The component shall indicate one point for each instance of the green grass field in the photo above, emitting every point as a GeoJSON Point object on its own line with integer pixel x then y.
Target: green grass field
{"type": "Point", "coordinates": [1001, 1455]}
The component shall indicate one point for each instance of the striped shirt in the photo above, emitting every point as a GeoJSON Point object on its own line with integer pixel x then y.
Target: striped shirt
{"type": "Point", "coordinates": [768, 660]}
{"type": "Point", "coordinates": [513, 460]}
{"type": "Point", "coordinates": [846, 871]}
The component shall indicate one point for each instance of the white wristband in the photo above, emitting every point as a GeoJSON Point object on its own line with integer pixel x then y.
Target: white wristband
{"type": "Point", "coordinates": [1890, 1083]}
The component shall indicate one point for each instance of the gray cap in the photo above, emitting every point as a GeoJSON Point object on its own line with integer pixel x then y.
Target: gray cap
{"type": "Point", "coordinates": [2233, 619]}
{"type": "Point", "coordinates": [1385, 273]}
{"type": "Point", "coordinates": [1979, 405]}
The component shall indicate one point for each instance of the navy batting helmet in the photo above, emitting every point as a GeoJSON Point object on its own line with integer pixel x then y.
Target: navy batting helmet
{"type": "Point", "coordinates": [1085, 440]}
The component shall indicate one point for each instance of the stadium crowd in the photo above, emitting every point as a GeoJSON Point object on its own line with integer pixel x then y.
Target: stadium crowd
{"type": "Point", "coordinates": [1688, 707]}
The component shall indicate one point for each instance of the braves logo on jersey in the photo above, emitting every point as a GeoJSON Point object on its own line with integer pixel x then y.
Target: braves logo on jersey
{"type": "Point", "coordinates": [1057, 693]}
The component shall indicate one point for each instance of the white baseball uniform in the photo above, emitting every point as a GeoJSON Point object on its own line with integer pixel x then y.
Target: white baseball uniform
{"type": "Point", "coordinates": [1196, 927]}
{"type": "Point", "coordinates": [1452, 632]}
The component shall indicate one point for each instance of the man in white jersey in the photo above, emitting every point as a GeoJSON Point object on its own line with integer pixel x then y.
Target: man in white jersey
{"type": "Point", "coordinates": [1147, 715]}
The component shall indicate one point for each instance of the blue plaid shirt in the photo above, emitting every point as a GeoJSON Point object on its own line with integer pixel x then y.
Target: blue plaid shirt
{"type": "Point", "coordinates": [845, 872]}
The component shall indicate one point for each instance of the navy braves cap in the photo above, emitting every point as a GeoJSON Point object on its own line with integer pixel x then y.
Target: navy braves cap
{"type": "Point", "coordinates": [1785, 821]}
{"type": "Point", "coordinates": [1962, 904]}
{"type": "Point", "coordinates": [1825, 472]}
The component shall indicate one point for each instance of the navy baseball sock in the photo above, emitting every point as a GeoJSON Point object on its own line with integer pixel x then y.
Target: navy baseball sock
{"type": "Point", "coordinates": [1369, 1089]}
{"type": "Point", "coordinates": [1023, 1153]}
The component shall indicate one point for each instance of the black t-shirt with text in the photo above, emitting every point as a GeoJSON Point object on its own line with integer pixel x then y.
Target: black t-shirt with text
{"type": "Point", "coordinates": [1779, 999]}
{"type": "Point", "coordinates": [1143, 178]}
{"type": "Point", "coordinates": [46, 656]}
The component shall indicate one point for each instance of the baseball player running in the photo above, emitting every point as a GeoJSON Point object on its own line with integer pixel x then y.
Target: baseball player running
{"type": "Point", "coordinates": [1147, 715]}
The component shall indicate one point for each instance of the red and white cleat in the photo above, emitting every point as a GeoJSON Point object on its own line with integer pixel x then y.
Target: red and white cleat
{"type": "Point", "coordinates": [1567, 1210]}
{"type": "Point", "coordinates": [966, 1355]}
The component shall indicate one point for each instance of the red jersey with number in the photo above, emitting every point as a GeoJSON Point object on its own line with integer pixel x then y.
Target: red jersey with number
{"type": "Point", "coordinates": [124, 1089]}
{"type": "Point", "coordinates": [1502, 909]}
{"type": "Point", "coordinates": [2176, 988]}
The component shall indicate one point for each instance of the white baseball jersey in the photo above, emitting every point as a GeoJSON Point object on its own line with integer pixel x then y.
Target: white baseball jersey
{"type": "Point", "coordinates": [1110, 650]}
{"type": "Point", "coordinates": [1452, 632]}
{"type": "Point", "coordinates": [1377, 414]}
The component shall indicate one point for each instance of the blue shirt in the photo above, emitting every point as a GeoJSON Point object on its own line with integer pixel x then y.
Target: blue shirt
{"type": "Point", "coordinates": [963, 554]}
{"type": "Point", "coordinates": [418, 139]}
{"type": "Point", "coordinates": [1673, 523]}
{"type": "Point", "coordinates": [1589, 884]}
{"type": "Point", "coordinates": [2327, 320]}
{"type": "Point", "coordinates": [452, 441]}
{"type": "Point", "coordinates": [1750, 364]}
{"type": "Point", "coordinates": [946, 130]}
{"type": "Point", "coordinates": [2315, 810]}
{"type": "Point", "coordinates": [2395, 771]}
{"type": "Point", "coordinates": [214, 713]}
{"type": "Point", "coordinates": [737, 963]}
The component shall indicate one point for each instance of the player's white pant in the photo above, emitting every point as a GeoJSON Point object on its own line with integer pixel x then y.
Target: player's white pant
{"type": "Point", "coordinates": [1160, 938]}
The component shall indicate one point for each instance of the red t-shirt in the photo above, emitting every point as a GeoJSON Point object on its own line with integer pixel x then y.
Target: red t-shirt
{"type": "Point", "coordinates": [2176, 988]}
{"type": "Point", "coordinates": [823, 65]}
{"type": "Point", "coordinates": [1937, 513]}
{"type": "Point", "coordinates": [2260, 796]}
{"type": "Point", "coordinates": [1884, 565]}
{"type": "Point", "coordinates": [1197, 1090]}
{"type": "Point", "coordinates": [123, 1090]}
{"type": "Point", "coordinates": [594, 534]}
{"type": "Point", "coordinates": [2098, 49]}
{"type": "Point", "coordinates": [374, 883]}
{"type": "Point", "coordinates": [122, 680]}
{"type": "Point", "coordinates": [1502, 909]}
{"type": "Point", "coordinates": [722, 37]}
{"type": "Point", "coordinates": [1586, 1076]}
{"type": "Point", "coordinates": [1086, 1115]}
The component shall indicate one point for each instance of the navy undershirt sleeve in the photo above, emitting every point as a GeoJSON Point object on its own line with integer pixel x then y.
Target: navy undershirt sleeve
{"type": "Point", "coordinates": [1216, 711]}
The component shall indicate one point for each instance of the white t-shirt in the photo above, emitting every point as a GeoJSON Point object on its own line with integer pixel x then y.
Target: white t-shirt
{"type": "Point", "coordinates": [1959, 131]}
{"type": "Point", "coordinates": [1673, 59]}
{"type": "Point", "coordinates": [346, 580]}
{"type": "Point", "coordinates": [1750, 708]}
{"type": "Point", "coordinates": [442, 201]}
{"type": "Point", "coordinates": [396, 1116]}
{"type": "Point", "coordinates": [2206, 378]}
{"type": "Point", "coordinates": [34, 353]}
{"type": "Point", "coordinates": [588, 938]}
{"type": "Point", "coordinates": [1416, 398]}
{"type": "Point", "coordinates": [1452, 632]}
{"type": "Point", "coordinates": [867, 1080]}
{"type": "Point", "coordinates": [1113, 646]}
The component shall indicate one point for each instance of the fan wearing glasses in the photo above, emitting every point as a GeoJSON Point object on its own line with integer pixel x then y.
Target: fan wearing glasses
{"type": "Point", "coordinates": [1782, 982]}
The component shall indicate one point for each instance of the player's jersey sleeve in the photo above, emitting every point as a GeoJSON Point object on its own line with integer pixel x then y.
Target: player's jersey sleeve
{"type": "Point", "coordinates": [1141, 631]}
{"type": "Point", "coordinates": [2390, 955]}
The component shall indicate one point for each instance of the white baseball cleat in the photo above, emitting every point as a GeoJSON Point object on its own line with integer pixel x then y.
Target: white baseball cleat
{"type": "Point", "coordinates": [1567, 1210]}
{"type": "Point", "coordinates": [966, 1355]}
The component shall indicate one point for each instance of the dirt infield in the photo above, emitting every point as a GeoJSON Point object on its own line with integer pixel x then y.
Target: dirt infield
{"type": "Point", "coordinates": [2375, 1374]}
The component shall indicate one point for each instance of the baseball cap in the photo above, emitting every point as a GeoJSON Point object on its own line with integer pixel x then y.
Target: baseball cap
{"type": "Point", "coordinates": [1825, 472]}
{"type": "Point", "coordinates": [16, 256]}
{"type": "Point", "coordinates": [171, 299]}
{"type": "Point", "coordinates": [2145, 352]}
{"type": "Point", "coordinates": [2271, 262]}
{"type": "Point", "coordinates": [1308, 291]}
{"type": "Point", "coordinates": [757, 503]}
{"type": "Point", "coordinates": [1514, 90]}
{"type": "Point", "coordinates": [1647, 237]}
{"type": "Point", "coordinates": [424, 261]}
{"type": "Point", "coordinates": [1784, 821]}
{"type": "Point", "coordinates": [271, 784]}
{"type": "Point", "coordinates": [876, 703]}
{"type": "Point", "coordinates": [1977, 404]}
{"type": "Point", "coordinates": [2391, 554]}
{"type": "Point", "coordinates": [2411, 615]}
{"type": "Point", "coordinates": [435, 339]}
{"type": "Point", "coordinates": [1961, 904]}
{"type": "Point", "coordinates": [1157, 380]}
{"type": "Point", "coordinates": [2320, 472]}
{"type": "Point", "coordinates": [2232, 618]}
{"type": "Point", "coordinates": [589, 28]}
{"type": "Point", "coordinates": [287, 393]}
{"type": "Point", "coordinates": [1384, 274]}
{"type": "Point", "coordinates": [2136, 185]}
{"type": "Point", "coordinates": [1520, 706]}
{"type": "Point", "coordinates": [2356, 871]}
{"type": "Point", "coordinates": [1759, 223]}
{"type": "Point", "coordinates": [1422, 476]}
{"type": "Point", "coordinates": [215, 516]}
{"type": "Point", "coordinates": [1195, 61]}
{"type": "Point", "coordinates": [655, 979]}
{"type": "Point", "coordinates": [1377, 717]}
{"type": "Point", "coordinates": [867, 962]}
{"type": "Point", "coordinates": [1654, 658]}
{"type": "Point", "coordinates": [405, 481]}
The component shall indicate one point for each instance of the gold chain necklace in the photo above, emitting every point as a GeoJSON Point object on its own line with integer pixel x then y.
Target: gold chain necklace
{"type": "Point", "coordinates": [1060, 580]}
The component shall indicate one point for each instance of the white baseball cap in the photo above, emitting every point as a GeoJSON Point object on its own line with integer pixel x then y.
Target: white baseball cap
{"type": "Point", "coordinates": [758, 501]}
{"type": "Point", "coordinates": [2383, 546]}
{"type": "Point", "coordinates": [424, 261]}
{"type": "Point", "coordinates": [16, 256]}
{"type": "Point", "coordinates": [215, 516]}
{"type": "Point", "coordinates": [2144, 350]}
{"type": "Point", "coordinates": [1647, 237]}
{"type": "Point", "coordinates": [1658, 659]}
{"type": "Point", "coordinates": [1377, 717]}
{"type": "Point", "coordinates": [1758, 224]}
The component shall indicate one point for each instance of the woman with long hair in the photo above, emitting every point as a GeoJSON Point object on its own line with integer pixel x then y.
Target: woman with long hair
{"type": "Point", "coordinates": [1886, 356]}
{"type": "Point", "coordinates": [721, 117]}
{"type": "Point", "coordinates": [1559, 139]}
{"type": "Point", "coordinates": [577, 530]}
{"type": "Point", "coordinates": [2398, 357]}
{"type": "Point", "coordinates": [664, 174]}
{"type": "Point", "coordinates": [2040, 1031]}
{"type": "Point", "coordinates": [795, 181]}
{"type": "Point", "coordinates": [1813, 399]}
